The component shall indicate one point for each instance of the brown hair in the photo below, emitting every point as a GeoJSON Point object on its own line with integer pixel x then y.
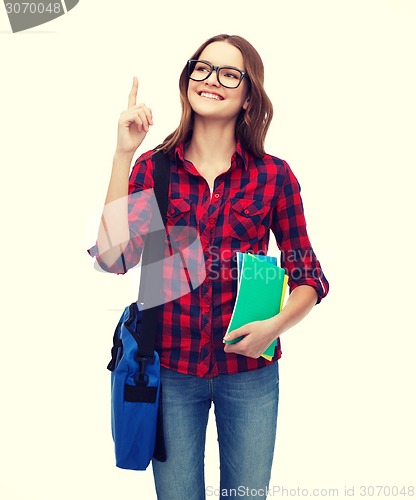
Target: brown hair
{"type": "Point", "coordinates": [252, 124]}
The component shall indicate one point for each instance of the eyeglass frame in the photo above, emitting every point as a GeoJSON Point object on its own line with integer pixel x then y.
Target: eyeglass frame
{"type": "Point", "coordinates": [217, 70]}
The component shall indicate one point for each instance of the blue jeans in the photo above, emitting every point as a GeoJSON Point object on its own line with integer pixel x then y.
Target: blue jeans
{"type": "Point", "coordinates": [246, 418]}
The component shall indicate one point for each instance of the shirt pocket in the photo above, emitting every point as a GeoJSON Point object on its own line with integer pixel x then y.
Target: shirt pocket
{"type": "Point", "coordinates": [247, 219]}
{"type": "Point", "coordinates": [178, 222]}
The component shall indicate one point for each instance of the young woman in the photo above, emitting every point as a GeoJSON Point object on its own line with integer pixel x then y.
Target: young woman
{"type": "Point", "coordinates": [225, 187]}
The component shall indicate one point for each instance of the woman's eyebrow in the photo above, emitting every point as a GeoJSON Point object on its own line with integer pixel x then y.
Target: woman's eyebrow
{"type": "Point", "coordinates": [221, 65]}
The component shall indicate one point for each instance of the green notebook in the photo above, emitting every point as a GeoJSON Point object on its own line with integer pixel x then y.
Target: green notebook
{"type": "Point", "coordinates": [260, 294]}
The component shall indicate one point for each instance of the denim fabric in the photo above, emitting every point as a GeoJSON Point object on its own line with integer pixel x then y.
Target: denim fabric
{"type": "Point", "coordinates": [246, 407]}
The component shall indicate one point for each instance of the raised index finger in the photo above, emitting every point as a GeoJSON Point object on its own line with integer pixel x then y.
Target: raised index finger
{"type": "Point", "coordinates": [133, 93]}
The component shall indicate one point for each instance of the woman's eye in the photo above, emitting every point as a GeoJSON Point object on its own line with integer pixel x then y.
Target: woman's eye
{"type": "Point", "coordinates": [231, 75]}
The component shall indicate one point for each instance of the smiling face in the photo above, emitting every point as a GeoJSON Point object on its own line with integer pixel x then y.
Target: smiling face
{"type": "Point", "coordinates": [209, 99]}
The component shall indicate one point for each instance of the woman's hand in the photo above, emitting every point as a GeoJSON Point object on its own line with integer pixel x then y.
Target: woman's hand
{"type": "Point", "coordinates": [257, 336]}
{"type": "Point", "coordinates": [133, 123]}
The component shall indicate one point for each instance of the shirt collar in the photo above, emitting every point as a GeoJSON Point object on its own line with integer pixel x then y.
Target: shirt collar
{"type": "Point", "coordinates": [240, 153]}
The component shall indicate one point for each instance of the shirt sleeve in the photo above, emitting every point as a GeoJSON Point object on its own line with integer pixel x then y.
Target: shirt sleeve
{"type": "Point", "coordinates": [140, 194]}
{"type": "Point", "coordinates": [289, 227]}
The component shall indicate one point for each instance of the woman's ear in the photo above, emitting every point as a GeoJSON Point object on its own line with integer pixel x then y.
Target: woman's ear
{"type": "Point", "coordinates": [246, 103]}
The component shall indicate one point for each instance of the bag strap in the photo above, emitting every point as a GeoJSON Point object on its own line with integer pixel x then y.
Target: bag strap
{"type": "Point", "coordinates": [154, 252]}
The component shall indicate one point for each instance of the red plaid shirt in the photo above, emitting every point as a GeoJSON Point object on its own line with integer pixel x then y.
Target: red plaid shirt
{"type": "Point", "coordinates": [252, 197]}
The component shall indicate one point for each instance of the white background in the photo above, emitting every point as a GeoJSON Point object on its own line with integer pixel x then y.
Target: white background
{"type": "Point", "coordinates": [342, 79]}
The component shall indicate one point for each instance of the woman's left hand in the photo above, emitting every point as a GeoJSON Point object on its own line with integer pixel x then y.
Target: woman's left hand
{"type": "Point", "coordinates": [257, 336]}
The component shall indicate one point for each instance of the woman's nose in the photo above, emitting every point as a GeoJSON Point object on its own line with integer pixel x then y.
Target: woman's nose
{"type": "Point", "coordinates": [213, 79]}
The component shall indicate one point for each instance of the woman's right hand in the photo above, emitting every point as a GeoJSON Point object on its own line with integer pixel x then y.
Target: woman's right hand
{"type": "Point", "coordinates": [133, 123]}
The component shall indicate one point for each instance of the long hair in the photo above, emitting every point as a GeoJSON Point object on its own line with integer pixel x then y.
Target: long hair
{"type": "Point", "coordinates": [252, 124]}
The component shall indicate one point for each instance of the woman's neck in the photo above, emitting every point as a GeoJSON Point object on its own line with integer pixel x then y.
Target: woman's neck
{"type": "Point", "coordinates": [211, 144]}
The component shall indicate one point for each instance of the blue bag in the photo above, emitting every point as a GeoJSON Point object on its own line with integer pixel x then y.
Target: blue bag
{"type": "Point", "coordinates": [136, 392]}
{"type": "Point", "coordinates": [136, 417]}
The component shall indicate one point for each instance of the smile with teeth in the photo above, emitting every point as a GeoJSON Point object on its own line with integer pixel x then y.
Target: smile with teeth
{"type": "Point", "coordinates": [211, 96]}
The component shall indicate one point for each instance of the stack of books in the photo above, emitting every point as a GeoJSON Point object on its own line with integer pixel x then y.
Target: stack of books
{"type": "Point", "coordinates": [261, 288]}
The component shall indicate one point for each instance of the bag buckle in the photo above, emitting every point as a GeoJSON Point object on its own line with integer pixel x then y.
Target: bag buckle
{"type": "Point", "coordinates": [141, 377]}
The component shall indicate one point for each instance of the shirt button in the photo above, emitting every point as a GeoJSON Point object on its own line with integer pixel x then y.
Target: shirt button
{"type": "Point", "coordinates": [246, 211]}
{"type": "Point", "coordinates": [206, 280]}
{"type": "Point", "coordinates": [172, 211]}
{"type": "Point", "coordinates": [216, 195]}
{"type": "Point", "coordinates": [207, 310]}
{"type": "Point", "coordinates": [212, 221]}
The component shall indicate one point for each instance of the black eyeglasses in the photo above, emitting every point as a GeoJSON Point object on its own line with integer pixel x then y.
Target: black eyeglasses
{"type": "Point", "coordinates": [227, 76]}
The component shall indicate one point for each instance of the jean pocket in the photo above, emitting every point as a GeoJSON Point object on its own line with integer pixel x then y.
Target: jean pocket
{"type": "Point", "coordinates": [246, 218]}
